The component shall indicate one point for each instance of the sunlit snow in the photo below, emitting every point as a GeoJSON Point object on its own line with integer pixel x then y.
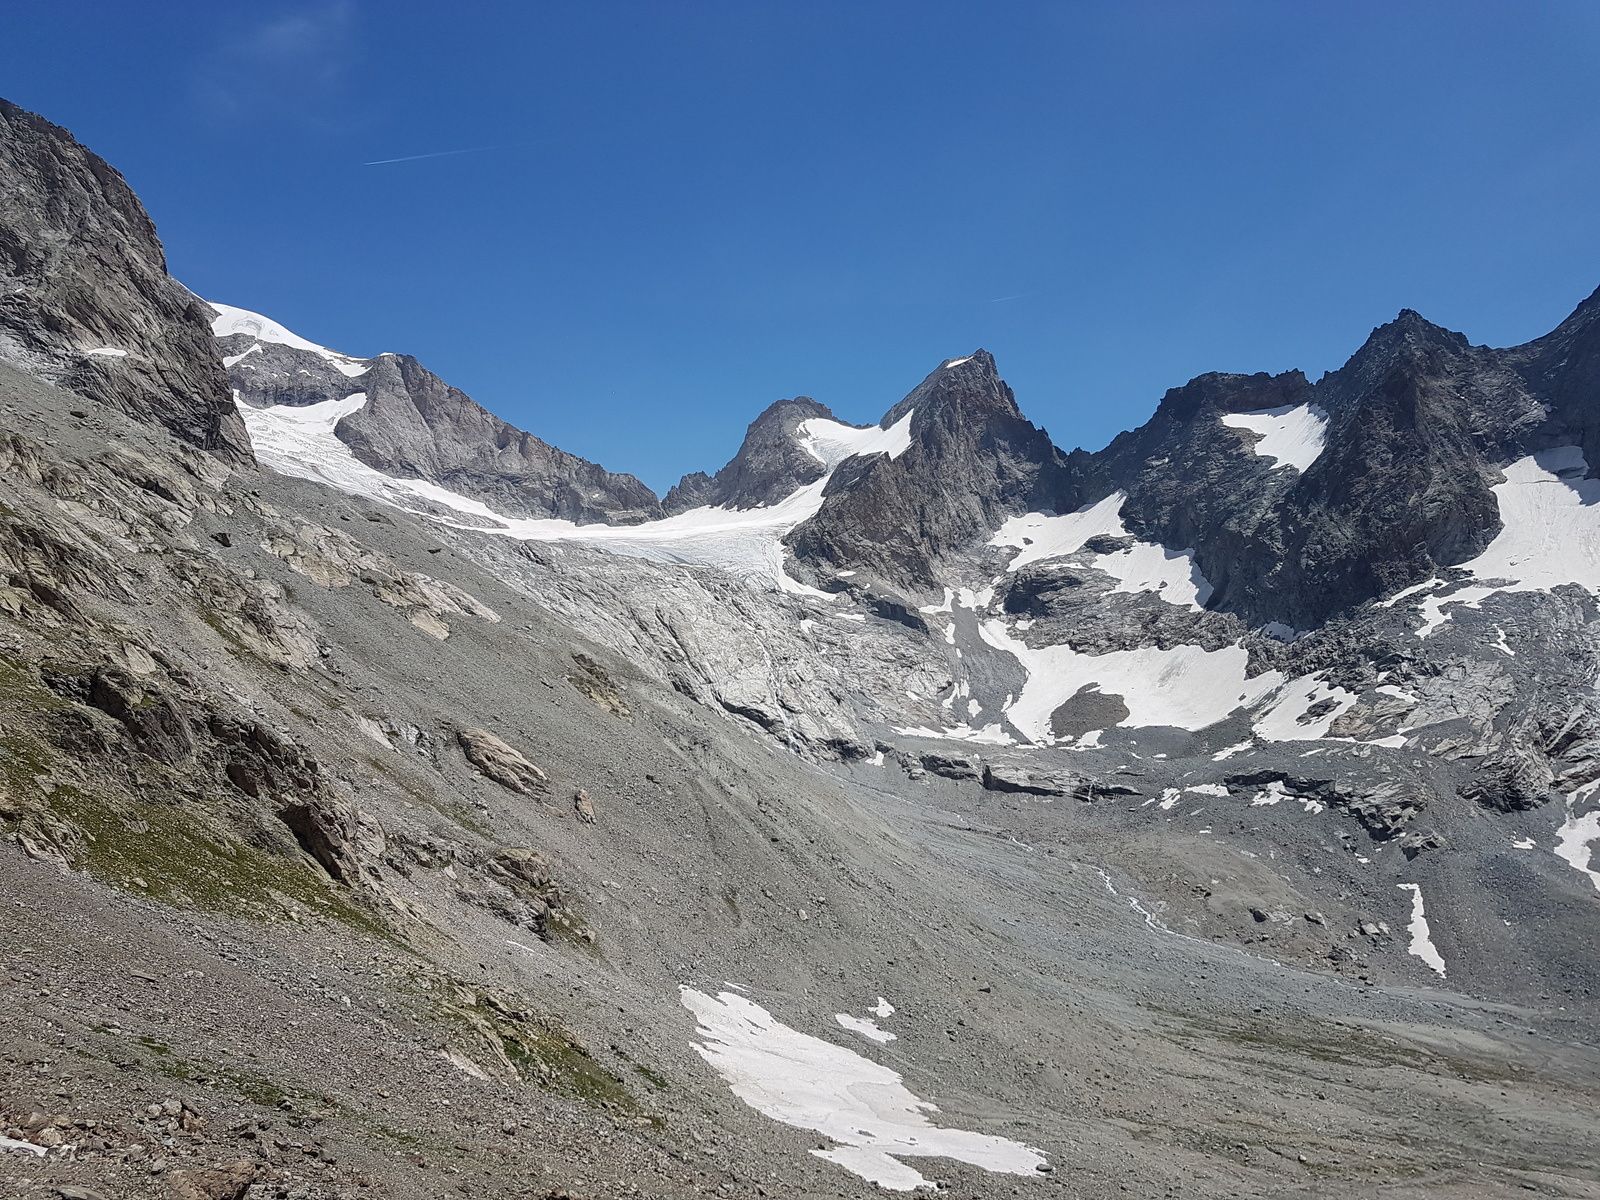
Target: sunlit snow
{"type": "Point", "coordinates": [1421, 940]}
{"type": "Point", "coordinates": [231, 320]}
{"type": "Point", "coordinates": [865, 1026]}
{"type": "Point", "coordinates": [300, 442]}
{"type": "Point", "coordinates": [1550, 535]}
{"type": "Point", "coordinates": [1142, 567]}
{"type": "Point", "coordinates": [863, 1106]}
{"type": "Point", "coordinates": [1187, 687]}
{"type": "Point", "coordinates": [1293, 434]}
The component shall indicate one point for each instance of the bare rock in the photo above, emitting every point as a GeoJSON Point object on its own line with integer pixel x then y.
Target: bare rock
{"type": "Point", "coordinates": [501, 763]}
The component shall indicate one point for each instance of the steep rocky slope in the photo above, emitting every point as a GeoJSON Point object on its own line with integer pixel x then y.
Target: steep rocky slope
{"type": "Point", "coordinates": [409, 423]}
{"type": "Point", "coordinates": [85, 299]}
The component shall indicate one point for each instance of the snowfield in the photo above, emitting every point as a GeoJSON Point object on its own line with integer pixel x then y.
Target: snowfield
{"type": "Point", "coordinates": [863, 1106]}
{"type": "Point", "coordinates": [1293, 435]}
{"type": "Point", "coordinates": [1186, 687]}
{"type": "Point", "coordinates": [231, 320]}
{"type": "Point", "coordinates": [1142, 567]}
{"type": "Point", "coordinates": [1549, 536]}
{"type": "Point", "coordinates": [746, 543]}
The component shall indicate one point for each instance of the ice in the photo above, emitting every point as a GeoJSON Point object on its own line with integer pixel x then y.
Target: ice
{"type": "Point", "coordinates": [748, 543]}
{"type": "Point", "coordinates": [1142, 567]}
{"type": "Point", "coordinates": [231, 320]}
{"type": "Point", "coordinates": [813, 1084]}
{"type": "Point", "coordinates": [1421, 941]}
{"type": "Point", "coordinates": [1187, 687]}
{"type": "Point", "coordinates": [1293, 435]}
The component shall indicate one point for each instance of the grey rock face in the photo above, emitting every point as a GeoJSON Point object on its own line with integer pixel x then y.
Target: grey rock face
{"type": "Point", "coordinates": [414, 425]}
{"type": "Point", "coordinates": [973, 460]}
{"type": "Point", "coordinates": [1417, 421]}
{"type": "Point", "coordinates": [81, 270]}
{"type": "Point", "coordinates": [771, 463]}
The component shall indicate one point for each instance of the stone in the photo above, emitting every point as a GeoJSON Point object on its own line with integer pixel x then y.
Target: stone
{"type": "Point", "coordinates": [498, 761]}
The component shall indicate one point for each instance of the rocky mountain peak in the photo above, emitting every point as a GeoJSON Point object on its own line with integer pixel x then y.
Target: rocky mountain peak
{"type": "Point", "coordinates": [771, 462]}
{"type": "Point", "coordinates": [85, 298]}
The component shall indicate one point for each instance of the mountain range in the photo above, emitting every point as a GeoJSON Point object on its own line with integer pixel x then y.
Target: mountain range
{"type": "Point", "coordinates": [399, 802]}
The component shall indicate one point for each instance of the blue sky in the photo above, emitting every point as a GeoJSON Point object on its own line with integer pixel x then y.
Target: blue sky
{"type": "Point", "coordinates": [691, 210]}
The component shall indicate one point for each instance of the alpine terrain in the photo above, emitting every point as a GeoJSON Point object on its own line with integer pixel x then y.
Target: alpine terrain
{"type": "Point", "coordinates": [397, 805]}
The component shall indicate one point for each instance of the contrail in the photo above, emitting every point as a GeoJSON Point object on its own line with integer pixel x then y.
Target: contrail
{"type": "Point", "coordinates": [378, 162]}
{"type": "Point", "coordinates": [1003, 299]}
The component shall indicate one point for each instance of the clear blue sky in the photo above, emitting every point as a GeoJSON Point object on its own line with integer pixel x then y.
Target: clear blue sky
{"type": "Point", "coordinates": [694, 209]}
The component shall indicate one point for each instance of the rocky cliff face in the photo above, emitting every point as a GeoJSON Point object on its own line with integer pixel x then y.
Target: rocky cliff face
{"type": "Point", "coordinates": [413, 425]}
{"type": "Point", "coordinates": [85, 299]}
{"type": "Point", "coordinates": [771, 463]}
{"type": "Point", "coordinates": [973, 460]}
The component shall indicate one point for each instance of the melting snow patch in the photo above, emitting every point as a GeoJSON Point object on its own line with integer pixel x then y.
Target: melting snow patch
{"type": "Point", "coordinates": [866, 1027]}
{"type": "Point", "coordinates": [808, 1083]}
{"type": "Point", "coordinates": [1141, 567]}
{"type": "Point", "coordinates": [1575, 842]}
{"type": "Point", "coordinates": [1186, 687]}
{"type": "Point", "coordinates": [1549, 535]}
{"type": "Point", "coordinates": [1274, 792]}
{"type": "Point", "coordinates": [1293, 435]}
{"type": "Point", "coordinates": [882, 1008]}
{"type": "Point", "coordinates": [1421, 942]}
{"type": "Point", "coordinates": [1526, 843]}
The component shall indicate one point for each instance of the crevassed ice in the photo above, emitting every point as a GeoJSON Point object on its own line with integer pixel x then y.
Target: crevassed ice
{"type": "Point", "coordinates": [863, 1106]}
{"type": "Point", "coordinates": [747, 543]}
{"type": "Point", "coordinates": [1142, 567]}
{"type": "Point", "coordinates": [1293, 434]}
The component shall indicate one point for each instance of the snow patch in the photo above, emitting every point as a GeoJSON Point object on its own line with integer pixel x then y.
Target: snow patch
{"type": "Point", "coordinates": [831, 442]}
{"type": "Point", "coordinates": [1550, 535]}
{"type": "Point", "coordinates": [1186, 687]}
{"type": "Point", "coordinates": [1575, 842]}
{"type": "Point", "coordinates": [866, 1027]}
{"type": "Point", "coordinates": [863, 1106]}
{"type": "Point", "coordinates": [1293, 435]}
{"type": "Point", "coordinates": [1141, 567]}
{"type": "Point", "coordinates": [107, 352]}
{"type": "Point", "coordinates": [231, 320]}
{"type": "Point", "coordinates": [1421, 941]}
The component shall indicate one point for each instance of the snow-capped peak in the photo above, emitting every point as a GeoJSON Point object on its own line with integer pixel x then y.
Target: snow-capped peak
{"type": "Point", "coordinates": [231, 320]}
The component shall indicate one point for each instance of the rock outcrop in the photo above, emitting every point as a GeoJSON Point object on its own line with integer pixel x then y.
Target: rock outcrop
{"type": "Point", "coordinates": [85, 298]}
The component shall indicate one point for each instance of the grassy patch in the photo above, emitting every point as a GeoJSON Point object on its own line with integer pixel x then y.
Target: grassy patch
{"type": "Point", "coordinates": [543, 1054]}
